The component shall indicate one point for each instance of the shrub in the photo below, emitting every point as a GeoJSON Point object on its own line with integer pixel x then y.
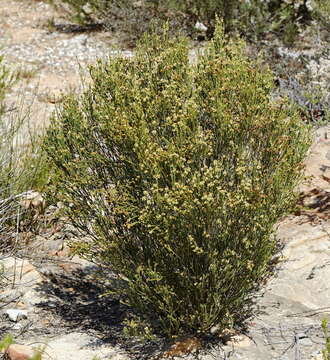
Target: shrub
{"type": "Point", "coordinates": [178, 173]}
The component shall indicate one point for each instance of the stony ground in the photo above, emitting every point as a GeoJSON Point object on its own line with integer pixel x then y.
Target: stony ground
{"type": "Point", "coordinates": [49, 62]}
{"type": "Point", "coordinates": [59, 297]}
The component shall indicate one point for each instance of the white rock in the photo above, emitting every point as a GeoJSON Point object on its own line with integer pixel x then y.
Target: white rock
{"type": "Point", "coordinates": [87, 9]}
{"type": "Point", "coordinates": [17, 326]}
{"type": "Point", "coordinates": [200, 26]}
{"type": "Point", "coordinates": [16, 314]}
{"type": "Point", "coordinates": [32, 298]}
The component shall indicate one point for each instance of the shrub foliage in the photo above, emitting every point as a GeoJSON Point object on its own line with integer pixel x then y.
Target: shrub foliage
{"type": "Point", "coordinates": [178, 173]}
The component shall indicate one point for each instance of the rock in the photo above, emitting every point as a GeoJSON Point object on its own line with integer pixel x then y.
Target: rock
{"type": "Point", "coordinates": [215, 329]}
{"type": "Point", "coordinates": [137, 4]}
{"type": "Point", "coordinates": [55, 96]}
{"type": "Point", "coordinates": [17, 326]}
{"type": "Point", "coordinates": [200, 26]}
{"type": "Point", "coordinates": [226, 335]}
{"type": "Point", "coordinates": [306, 342]}
{"type": "Point", "coordinates": [20, 352]}
{"type": "Point", "coordinates": [240, 341]}
{"type": "Point", "coordinates": [87, 9]}
{"type": "Point", "coordinates": [81, 346]}
{"type": "Point", "coordinates": [53, 245]}
{"type": "Point", "coordinates": [34, 201]}
{"type": "Point", "coordinates": [20, 272]}
{"type": "Point", "coordinates": [318, 356]}
{"type": "Point", "coordinates": [33, 297]}
{"type": "Point", "coordinates": [49, 269]}
{"type": "Point", "coordinates": [16, 314]}
{"type": "Point", "coordinates": [184, 347]}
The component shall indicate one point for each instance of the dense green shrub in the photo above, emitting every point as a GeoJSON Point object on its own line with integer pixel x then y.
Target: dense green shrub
{"type": "Point", "coordinates": [178, 173]}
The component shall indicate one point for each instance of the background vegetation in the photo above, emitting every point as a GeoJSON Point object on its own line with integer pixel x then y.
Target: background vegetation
{"type": "Point", "coordinates": [252, 19]}
{"type": "Point", "coordinates": [22, 166]}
